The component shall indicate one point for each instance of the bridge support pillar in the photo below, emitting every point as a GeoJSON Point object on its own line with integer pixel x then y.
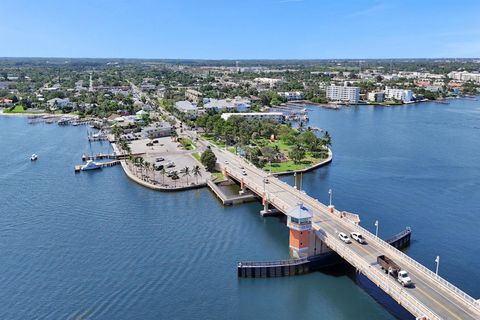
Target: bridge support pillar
{"type": "Point", "coordinates": [243, 188]}
{"type": "Point", "coordinates": [267, 211]}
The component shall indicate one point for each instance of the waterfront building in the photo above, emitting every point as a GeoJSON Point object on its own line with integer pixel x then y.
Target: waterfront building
{"type": "Point", "coordinates": [300, 224]}
{"type": "Point", "coordinates": [187, 108]}
{"type": "Point", "coordinates": [376, 96]}
{"type": "Point", "coordinates": [6, 102]}
{"type": "Point", "coordinates": [157, 130]}
{"type": "Point", "coordinates": [292, 95]}
{"type": "Point", "coordinates": [58, 103]}
{"type": "Point", "coordinates": [343, 93]}
{"type": "Point", "coordinates": [238, 104]}
{"type": "Point", "coordinates": [399, 94]}
{"type": "Point", "coordinates": [262, 116]}
{"type": "Point", "coordinates": [464, 76]}
{"type": "Point", "coordinates": [193, 95]}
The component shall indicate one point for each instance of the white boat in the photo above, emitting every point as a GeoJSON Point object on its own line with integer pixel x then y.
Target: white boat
{"type": "Point", "coordinates": [33, 157]}
{"type": "Point", "coordinates": [90, 165]}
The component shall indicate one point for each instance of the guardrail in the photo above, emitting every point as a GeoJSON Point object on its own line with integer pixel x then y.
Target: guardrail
{"type": "Point", "coordinates": [381, 279]}
{"type": "Point", "coordinates": [316, 204]}
{"type": "Point", "coordinates": [421, 268]}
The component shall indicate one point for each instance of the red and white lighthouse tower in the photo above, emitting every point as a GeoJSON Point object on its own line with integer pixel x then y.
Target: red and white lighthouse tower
{"type": "Point", "coordinates": [300, 224]}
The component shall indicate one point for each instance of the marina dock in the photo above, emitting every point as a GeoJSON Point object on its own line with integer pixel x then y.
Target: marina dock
{"type": "Point", "coordinates": [78, 167]}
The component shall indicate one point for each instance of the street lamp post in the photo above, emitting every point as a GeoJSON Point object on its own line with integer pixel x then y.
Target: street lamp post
{"type": "Point", "coordinates": [330, 193]}
{"type": "Point", "coordinates": [376, 228]}
{"type": "Point", "coordinates": [437, 261]}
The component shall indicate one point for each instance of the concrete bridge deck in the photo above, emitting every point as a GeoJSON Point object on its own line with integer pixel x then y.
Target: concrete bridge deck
{"type": "Point", "coordinates": [431, 296]}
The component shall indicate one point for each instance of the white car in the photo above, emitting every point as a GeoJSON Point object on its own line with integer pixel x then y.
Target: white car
{"type": "Point", "coordinates": [404, 278]}
{"type": "Point", "coordinates": [244, 172]}
{"type": "Point", "coordinates": [344, 237]}
{"type": "Point", "coordinates": [357, 237]}
{"type": "Point", "coordinates": [226, 161]}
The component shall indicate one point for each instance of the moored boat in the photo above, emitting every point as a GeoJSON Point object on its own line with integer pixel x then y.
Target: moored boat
{"type": "Point", "coordinates": [91, 165]}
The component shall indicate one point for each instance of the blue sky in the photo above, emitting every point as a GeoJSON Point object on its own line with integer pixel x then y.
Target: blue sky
{"type": "Point", "coordinates": [240, 29]}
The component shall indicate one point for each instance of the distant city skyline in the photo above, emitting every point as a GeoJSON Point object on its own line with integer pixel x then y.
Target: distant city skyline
{"type": "Point", "coordinates": [248, 29]}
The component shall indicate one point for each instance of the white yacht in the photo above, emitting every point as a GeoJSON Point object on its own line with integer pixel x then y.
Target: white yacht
{"type": "Point", "coordinates": [91, 165]}
{"type": "Point", "coordinates": [33, 157]}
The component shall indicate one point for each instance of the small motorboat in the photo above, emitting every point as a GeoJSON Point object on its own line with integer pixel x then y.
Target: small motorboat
{"type": "Point", "coordinates": [33, 157]}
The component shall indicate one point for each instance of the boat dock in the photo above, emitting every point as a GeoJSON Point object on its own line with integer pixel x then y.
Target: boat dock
{"type": "Point", "coordinates": [78, 167]}
{"type": "Point", "coordinates": [102, 156]}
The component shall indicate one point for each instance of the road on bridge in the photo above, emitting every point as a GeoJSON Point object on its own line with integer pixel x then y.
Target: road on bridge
{"type": "Point", "coordinates": [426, 294]}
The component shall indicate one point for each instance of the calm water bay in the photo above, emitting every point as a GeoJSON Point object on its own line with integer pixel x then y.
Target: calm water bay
{"type": "Point", "coordinates": [97, 246]}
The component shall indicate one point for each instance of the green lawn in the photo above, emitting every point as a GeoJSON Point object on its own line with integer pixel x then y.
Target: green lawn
{"type": "Point", "coordinates": [187, 143]}
{"type": "Point", "coordinates": [217, 176]}
{"type": "Point", "coordinates": [211, 139]}
{"type": "Point", "coordinates": [287, 166]}
{"type": "Point", "coordinates": [16, 109]}
{"type": "Point", "coordinates": [196, 155]}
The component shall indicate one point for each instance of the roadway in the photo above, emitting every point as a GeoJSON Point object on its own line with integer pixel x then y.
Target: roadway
{"type": "Point", "coordinates": [427, 293]}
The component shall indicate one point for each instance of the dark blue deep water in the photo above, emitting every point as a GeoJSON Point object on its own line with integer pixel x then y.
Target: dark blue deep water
{"type": "Point", "coordinates": [97, 246]}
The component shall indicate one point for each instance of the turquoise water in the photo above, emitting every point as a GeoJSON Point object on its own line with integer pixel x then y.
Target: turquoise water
{"type": "Point", "coordinates": [97, 246]}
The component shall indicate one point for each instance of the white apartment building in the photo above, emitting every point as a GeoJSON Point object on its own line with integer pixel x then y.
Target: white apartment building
{"type": "Point", "coordinates": [268, 116]}
{"type": "Point", "coordinates": [188, 108]}
{"type": "Point", "coordinates": [292, 95]}
{"type": "Point", "coordinates": [464, 76]}
{"type": "Point", "coordinates": [399, 94]}
{"type": "Point", "coordinates": [376, 96]}
{"type": "Point", "coordinates": [343, 93]}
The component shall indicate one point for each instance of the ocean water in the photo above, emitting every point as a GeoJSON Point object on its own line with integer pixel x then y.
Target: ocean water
{"type": "Point", "coordinates": [98, 246]}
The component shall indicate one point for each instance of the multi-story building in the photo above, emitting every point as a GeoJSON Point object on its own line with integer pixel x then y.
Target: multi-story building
{"type": "Point", "coordinates": [193, 95]}
{"type": "Point", "coordinates": [161, 129]}
{"type": "Point", "coordinates": [292, 95]}
{"type": "Point", "coordinates": [376, 96]}
{"type": "Point", "coordinates": [188, 108]}
{"type": "Point", "coordinates": [465, 76]}
{"type": "Point", "coordinates": [399, 94]}
{"type": "Point", "coordinates": [262, 116]}
{"type": "Point", "coordinates": [343, 93]}
{"type": "Point", "coordinates": [238, 104]}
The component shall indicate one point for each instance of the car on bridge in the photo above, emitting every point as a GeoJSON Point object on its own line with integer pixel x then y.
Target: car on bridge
{"type": "Point", "coordinates": [344, 237]}
{"type": "Point", "coordinates": [244, 172]}
{"type": "Point", "coordinates": [357, 237]}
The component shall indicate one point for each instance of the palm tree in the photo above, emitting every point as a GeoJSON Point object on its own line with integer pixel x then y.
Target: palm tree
{"type": "Point", "coordinates": [196, 172]}
{"type": "Point", "coordinates": [186, 172]}
{"type": "Point", "coordinates": [175, 177]}
{"type": "Point", "coordinates": [131, 160]}
{"type": "Point", "coordinates": [163, 172]}
{"type": "Point", "coordinates": [141, 162]}
{"type": "Point", "coordinates": [147, 169]}
{"type": "Point", "coordinates": [327, 139]}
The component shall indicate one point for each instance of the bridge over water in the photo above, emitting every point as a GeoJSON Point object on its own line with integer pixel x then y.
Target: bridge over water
{"type": "Point", "coordinates": [431, 297]}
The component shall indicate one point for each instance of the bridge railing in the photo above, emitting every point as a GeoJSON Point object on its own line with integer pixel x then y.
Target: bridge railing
{"type": "Point", "coordinates": [381, 279]}
{"type": "Point", "coordinates": [316, 204]}
{"type": "Point", "coordinates": [449, 287]}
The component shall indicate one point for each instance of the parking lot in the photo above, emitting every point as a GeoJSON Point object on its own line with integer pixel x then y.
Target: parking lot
{"type": "Point", "coordinates": [171, 152]}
